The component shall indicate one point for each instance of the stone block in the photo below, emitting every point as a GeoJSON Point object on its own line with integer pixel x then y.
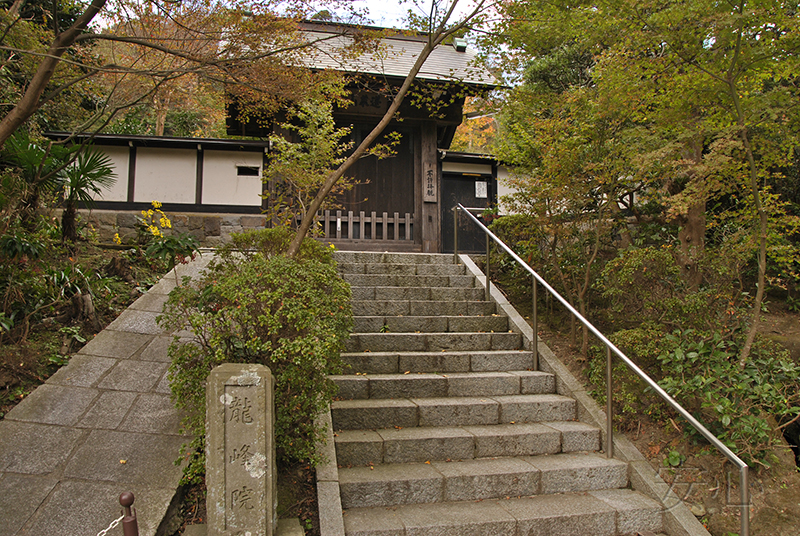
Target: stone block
{"type": "Point", "coordinates": [373, 414]}
{"type": "Point", "coordinates": [373, 522]}
{"type": "Point", "coordinates": [487, 479]}
{"type": "Point", "coordinates": [535, 408]}
{"type": "Point", "coordinates": [358, 447]}
{"type": "Point", "coordinates": [154, 414]}
{"type": "Point", "coordinates": [20, 496]}
{"type": "Point", "coordinates": [461, 518]}
{"type": "Point", "coordinates": [108, 410]}
{"type": "Point", "coordinates": [494, 361]}
{"type": "Point", "coordinates": [372, 363]}
{"type": "Point", "coordinates": [579, 472]}
{"type": "Point", "coordinates": [434, 362]}
{"type": "Point", "coordinates": [407, 385]}
{"type": "Point", "coordinates": [635, 512]}
{"type": "Point", "coordinates": [514, 440]}
{"type": "Point", "coordinates": [482, 384]}
{"type": "Point", "coordinates": [535, 382]}
{"type": "Point", "coordinates": [127, 219]}
{"type": "Point", "coordinates": [116, 344]}
{"type": "Point", "coordinates": [52, 445]}
{"type": "Point", "coordinates": [195, 222]}
{"type": "Point", "coordinates": [127, 458]}
{"type": "Point", "coordinates": [54, 404]}
{"type": "Point", "coordinates": [577, 436]}
{"type": "Point", "coordinates": [82, 371]}
{"type": "Point", "coordinates": [456, 411]}
{"type": "Point", "coordinates": [134, 321]}
{"type": "Point", "coordinates": [562, 515]}
{"type": "Point", "coordinates": [134, 375]}
{"type": "Point", "coordinates": [211, 225]}
{"type": "Point", "coordinates": [241, 476]}
{"type": "Point", "coordinates": [426, 444]}
{"type": "Point", "coordinates": [253, 222]}
{"type": "Point", "coordinates": [351, 387]}
{"type": "Point", "coordinates": [390, 485]}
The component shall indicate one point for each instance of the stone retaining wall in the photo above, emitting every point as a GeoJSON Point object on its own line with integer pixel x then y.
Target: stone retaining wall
{"type": "Point", "coordinates": [210, 230]}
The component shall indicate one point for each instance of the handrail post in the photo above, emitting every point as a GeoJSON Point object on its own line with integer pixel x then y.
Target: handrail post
{"type": "Point", "coordinates": [455, 234]}
{"type": "Point", "coordinates": [535, 318]}
{"type": "Point", "coordinates": [609, 408]}
{"type": "Point", "coordinates": [488, 293]}
{"type": "Point", "coordinates": [744, 486]}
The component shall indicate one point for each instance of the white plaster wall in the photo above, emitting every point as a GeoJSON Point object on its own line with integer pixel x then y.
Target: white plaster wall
{"type": "Point", "coordinates": [119, 161]}
{"type": "Point", "coordinates": [165, 175]}
{"type": "Point", "coordinates": [221, 184]}
{"type": "Point", "coordinates": [503, 189]}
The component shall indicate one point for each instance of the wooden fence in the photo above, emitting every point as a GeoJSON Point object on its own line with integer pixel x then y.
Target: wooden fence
{"type": "Point", "coordinates": [350, 225]}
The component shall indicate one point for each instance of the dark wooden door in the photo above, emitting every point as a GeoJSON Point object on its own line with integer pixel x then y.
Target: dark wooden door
{"type": "Point", "coordinates": [387, 184]}
{"type": "Point", "coordinates": [461, 188]}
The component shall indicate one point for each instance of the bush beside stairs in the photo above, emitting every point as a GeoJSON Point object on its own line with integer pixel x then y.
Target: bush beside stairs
{"type": "Point", "coordinates": [443, 428]}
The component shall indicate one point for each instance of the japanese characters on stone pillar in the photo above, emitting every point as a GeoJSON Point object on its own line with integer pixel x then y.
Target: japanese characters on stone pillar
{"type": "Point", "coordinates": [240, 451]}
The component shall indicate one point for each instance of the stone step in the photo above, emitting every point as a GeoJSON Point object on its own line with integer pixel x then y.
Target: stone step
{"type": "Point", "coordinates": [422, 308]}
{"type": "Point", "coordinates": [613, 512]}
{"type": "Point", "coordinates": [421, 444]}
{"type": "Point", "coordinates": [478, 479]}
{"type": "Point", "coordinates": [429, 324]}
{"type": "Point", "coordinates": [524, 382]}
{"type": "Point", "coordinates": [402, 269]}
{"type": "Point", "coordinates": [401, 362]}
{"type": "Point", "coordinates": [369, 257]}
{"type": "Point", "coordinates": [432, 342]}
{"type": "Point", "coordinates": [441, 294]}
{"type": "Point", "coordinates": [413, 281]}
{"type": "Point", "coordinates": [450, 411]}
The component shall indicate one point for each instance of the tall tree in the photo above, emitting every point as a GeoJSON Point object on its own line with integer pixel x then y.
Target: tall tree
{"type": "Point", "coordinates": [235, 43]}
{"type": "Point", "coordinates": [711, 96]}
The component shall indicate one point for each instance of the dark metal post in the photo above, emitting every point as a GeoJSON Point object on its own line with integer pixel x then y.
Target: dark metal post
{"type": "Point", "coordinates": [535, 318]}
{"type": "Point", "coordinates": [609, 408]}
{"type": "Point", "coordinates": [455, 234]}
{"type": "Point", "coordinates": [130, 526]}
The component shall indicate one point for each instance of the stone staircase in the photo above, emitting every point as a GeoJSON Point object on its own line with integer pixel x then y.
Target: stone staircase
{"type": "Point", "coordinates": [443, 428]}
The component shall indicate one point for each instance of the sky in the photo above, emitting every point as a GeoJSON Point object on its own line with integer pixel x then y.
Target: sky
{"type": "Point", "coordinates": [390, 13]}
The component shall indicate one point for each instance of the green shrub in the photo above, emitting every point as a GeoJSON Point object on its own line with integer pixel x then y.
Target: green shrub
{"type": "Point", "coordinates": [631, 398]}
{"type": "Point", "coordinates": [701, 371]}
{"type": "Point", "coordinates": [293, 315]}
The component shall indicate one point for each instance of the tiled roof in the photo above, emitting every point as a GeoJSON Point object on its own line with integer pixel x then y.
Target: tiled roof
{"type": "Point", "coordinates": [394, 56]}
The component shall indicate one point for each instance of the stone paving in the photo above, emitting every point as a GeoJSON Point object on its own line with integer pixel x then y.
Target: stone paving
{"type": "Point", "coordinates": [101, 425]}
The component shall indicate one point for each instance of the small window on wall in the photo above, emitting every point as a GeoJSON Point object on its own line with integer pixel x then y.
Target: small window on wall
{"type": "Point", "coordinates": [248, 171]}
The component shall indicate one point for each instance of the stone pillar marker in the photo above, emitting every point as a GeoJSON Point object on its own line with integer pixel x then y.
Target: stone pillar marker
{"type": "Point", "coordinates": [241, 477]}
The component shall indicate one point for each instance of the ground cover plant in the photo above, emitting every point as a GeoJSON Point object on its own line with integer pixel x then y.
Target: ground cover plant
{"type": "Point", "coordinates": [254, 304]}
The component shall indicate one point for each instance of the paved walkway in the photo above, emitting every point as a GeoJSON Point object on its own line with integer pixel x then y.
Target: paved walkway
{"type": "Point", "coordinates": [101, 425]}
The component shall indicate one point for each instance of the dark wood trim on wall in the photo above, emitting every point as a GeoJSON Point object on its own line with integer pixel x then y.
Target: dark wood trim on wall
{"type": "Point", "coordinates": [131, 172]}
{"type": "Point", "coordinates": [267, 187]}
{"type": "Point", "coordinates": [198, 187]}
{"type": "Point", "coordinates": [176, 207]}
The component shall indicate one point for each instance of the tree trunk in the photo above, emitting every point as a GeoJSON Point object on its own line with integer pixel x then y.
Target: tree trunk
{"type": "Point", "coordinates": [68, 230]}
{"type": "Point", "coordinates": [30, 100]}
{"type": "Point", "coordinates": [692, 244]}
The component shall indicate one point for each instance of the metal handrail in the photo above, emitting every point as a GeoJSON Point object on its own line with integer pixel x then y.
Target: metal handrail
{"type": "Point", "coordinates": [610, 347]}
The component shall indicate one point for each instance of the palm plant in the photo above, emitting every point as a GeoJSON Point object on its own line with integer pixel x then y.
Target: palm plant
{"type": "Point", "coordinates": [82, 179]}
{"type": "Point", "coordinates": [38, 167]}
